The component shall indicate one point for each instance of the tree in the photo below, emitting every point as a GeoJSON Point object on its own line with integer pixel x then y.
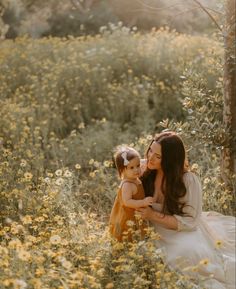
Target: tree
{"type": "Point", "coordinates": [83, 6]}
{"type": "Point", "coordinates": [3, 26]}
{"type": "Point", "coordinates": [228, 167]}
{"type": "Point", "coordinates": [229, 151]}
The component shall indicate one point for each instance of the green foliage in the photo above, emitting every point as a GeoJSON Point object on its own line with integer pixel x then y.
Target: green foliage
{"type": "Point", "coordinates": [64, 105]}
{"type": "Point", "coordinates": [51, 87]}
{"type": "Point", "coordinates": [63, 18]}
{"type": "Point", "coordinates": [65, 102]}
{"type": "Point", "coordinates": [205, 136]}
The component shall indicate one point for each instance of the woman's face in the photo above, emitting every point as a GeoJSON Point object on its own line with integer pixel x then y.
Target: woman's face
{"type": "Point", "coordinates": [154, 156]}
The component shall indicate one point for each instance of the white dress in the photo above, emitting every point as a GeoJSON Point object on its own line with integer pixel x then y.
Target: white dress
{"type": "Point", "coordinates": [196, 240]}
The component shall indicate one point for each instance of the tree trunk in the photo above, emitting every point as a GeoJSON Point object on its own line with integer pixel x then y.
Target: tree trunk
{"type": "Point", "coordinates": [3, 26]}
{"type": "Point", "coordinates": [229, 151]}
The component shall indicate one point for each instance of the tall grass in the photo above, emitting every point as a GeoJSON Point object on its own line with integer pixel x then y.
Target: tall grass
{"type": "Point", "coordinates": [65, 103]}
{"type": "Point", "coordinates": [119, 83]}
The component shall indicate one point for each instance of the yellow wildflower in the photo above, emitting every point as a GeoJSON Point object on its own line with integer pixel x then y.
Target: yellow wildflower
{"type": "Point", "coordinates": [81, 125]}
{"type": "Point", "coordinates": [68, 174]}
{"type": "Point", "coordinates": [130, 223]}
{"type": "Point", "coordinates": [218, 244]}
{"type": "Point", "coordinates": [92, 174]}
{"type": "Point", "coordinates": [78, 166]}
{"type": "Point", "coordinates": [15, 244]}
{"type": "Point", "coordinates": [40, 219]}
{"type": "Point", "coordinates": [107, 165]}
{"type": "Point", "coordinates": [19, 283]}
{"type": "Point", "coordinates": [23, 163]}
{"type": "Point", "coordinates": [109, 286]}
{"type": "Point", "coordinates": [58, 173]}
{"type": "Point", "coordinates": [66, 264]}
{"type": "Point", "coordinates": [24, 255]}
{"type": "Point", "coordinates": [204, 262]}
{"type": "Point", "coordinates": [28, 176]}
{"type": "Point", "coordinates": [55, 239]}
{"type": "Point", "coordinates": [59, 182]}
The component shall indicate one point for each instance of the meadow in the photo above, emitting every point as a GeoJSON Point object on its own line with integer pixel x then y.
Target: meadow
{"type": "Point", "coordinates": [65, 103]}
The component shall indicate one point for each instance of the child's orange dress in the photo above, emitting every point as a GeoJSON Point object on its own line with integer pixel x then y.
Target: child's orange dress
{"type": "Point", "coordinates": [120, 214]}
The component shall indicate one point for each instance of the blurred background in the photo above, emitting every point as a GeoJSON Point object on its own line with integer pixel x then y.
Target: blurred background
{"type": "Point", "coordinates": [79, 17]}
{"type": "Point", "coordinates": [78, 78]}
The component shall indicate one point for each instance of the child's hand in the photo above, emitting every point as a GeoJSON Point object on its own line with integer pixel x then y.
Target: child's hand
{"type": "Point", "coordinates": [148, 201]}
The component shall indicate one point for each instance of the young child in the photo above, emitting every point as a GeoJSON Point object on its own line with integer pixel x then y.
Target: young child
{"type": "Point", "coordinates": [130, 195]}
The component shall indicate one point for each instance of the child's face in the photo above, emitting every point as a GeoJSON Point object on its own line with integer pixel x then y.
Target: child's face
{"type": "Point", "coordinates": [132, 170]}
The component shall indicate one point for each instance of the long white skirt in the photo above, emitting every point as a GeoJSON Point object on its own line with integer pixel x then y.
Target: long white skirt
{"type": "Point", "coordinates": [185, 250]}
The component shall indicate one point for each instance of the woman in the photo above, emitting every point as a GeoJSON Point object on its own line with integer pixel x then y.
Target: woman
{"type": "Point", "coordinates": [188, 236]}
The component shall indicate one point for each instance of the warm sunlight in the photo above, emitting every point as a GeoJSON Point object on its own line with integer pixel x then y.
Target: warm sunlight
{"type": "Point", "coordinates": [117, 144]}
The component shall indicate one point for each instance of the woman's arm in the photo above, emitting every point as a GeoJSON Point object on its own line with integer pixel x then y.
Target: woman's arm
{"type": "Point", "coordinates": [193, 201]}
{"type": "Point", "coordinates": [192, 210]}
{"type": "Point", "coordinates": [167, 221]}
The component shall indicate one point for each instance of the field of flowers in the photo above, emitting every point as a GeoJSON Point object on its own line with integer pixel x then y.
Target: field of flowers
{"type": "Point", "coordinates": [64, 105]}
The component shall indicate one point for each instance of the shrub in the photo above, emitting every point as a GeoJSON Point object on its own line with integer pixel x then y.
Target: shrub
{"type": "Point", "coordinates": [64, 105]}
{"type": "Point", "coordinates": [52, 88]}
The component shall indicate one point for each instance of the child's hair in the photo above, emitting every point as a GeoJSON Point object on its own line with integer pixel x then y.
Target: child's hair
{"type": "Point", "coordinates": [122, 155]}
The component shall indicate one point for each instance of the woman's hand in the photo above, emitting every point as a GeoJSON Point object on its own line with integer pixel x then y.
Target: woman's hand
{"type": "Point", "coordinates": [148, 201]}
{"type": "Point", "coordinates": [167, 221]}
{"type": "Point", "coordinates": [146, 213]}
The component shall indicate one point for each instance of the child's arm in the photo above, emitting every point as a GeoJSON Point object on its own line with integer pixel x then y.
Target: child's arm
{"type": "Point", "coordinates": [128, 190]}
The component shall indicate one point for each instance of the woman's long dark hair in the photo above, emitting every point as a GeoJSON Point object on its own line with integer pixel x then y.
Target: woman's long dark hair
{"type": "Point", "coordinates": [172, 164]}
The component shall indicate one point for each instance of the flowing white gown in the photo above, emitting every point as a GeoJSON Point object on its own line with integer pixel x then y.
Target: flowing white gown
{"type": "Point", "coordinates": [196, 240]}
